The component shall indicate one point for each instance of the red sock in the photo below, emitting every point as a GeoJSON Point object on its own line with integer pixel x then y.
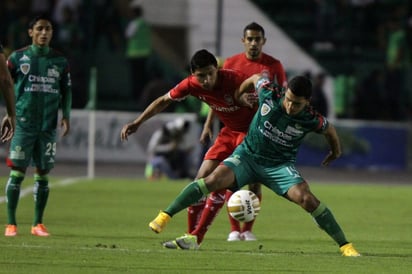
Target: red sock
{"type": "Point", "coordinates": [193, 214]}
{"type": "Point", "coordinates": [234, 225]}
{"type": "Point", "coordinates": [249, 225]}
{"type": "Point", "coordinates": [214, 203]}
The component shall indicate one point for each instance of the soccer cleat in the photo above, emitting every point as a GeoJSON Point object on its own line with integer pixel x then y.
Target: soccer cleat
{"type": "Point", "coordinates": [159, 222]}
{"type": "Point", "coordinates": [233, 236]}
{"type": "Point", "coordinates": [170, 244]}
{"type": "Point", "coordinates": [349, 251]}
{"type": "Point", "coordinates": [11, 231]}
{"type": "Point", "coordinates": [39, 230]}
{"type": "Point", "coordinates": [186, 242]}
{"type": "Point", "coordinates": [247, 236]}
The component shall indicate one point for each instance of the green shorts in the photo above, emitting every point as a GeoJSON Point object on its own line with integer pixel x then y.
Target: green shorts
{"type": "Point", "coordinates": [38, 148]}
{"type": "Point", "coordinates": [278, 178]}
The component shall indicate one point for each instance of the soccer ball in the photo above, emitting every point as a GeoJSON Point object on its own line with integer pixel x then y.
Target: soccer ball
{"type": "Point", "coordinates": [243, 205]}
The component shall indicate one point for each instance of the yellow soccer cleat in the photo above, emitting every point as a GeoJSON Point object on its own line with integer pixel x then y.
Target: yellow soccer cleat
{"type": "Point", "coordinates": [159, 222]}
{"type": "Point", "coordinates": [349, 251]}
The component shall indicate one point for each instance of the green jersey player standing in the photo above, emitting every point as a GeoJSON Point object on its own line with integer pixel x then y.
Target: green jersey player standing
{"type": "Point", "coordinates": [268, 154]}
{"type": "Point", "coordinates": [42, 84]}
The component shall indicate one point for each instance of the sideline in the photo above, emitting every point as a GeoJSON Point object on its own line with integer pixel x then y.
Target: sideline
{"type": "Point", "coordinates": [29, 190]}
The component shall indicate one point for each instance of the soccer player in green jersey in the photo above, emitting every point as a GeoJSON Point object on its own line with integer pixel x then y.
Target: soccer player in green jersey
{"type": "Point", "coordinates": [42, 84]}
{"type": "Point", "coordinates": [268, 154]}
{"type": "Point", "coordinates": [6, 88]}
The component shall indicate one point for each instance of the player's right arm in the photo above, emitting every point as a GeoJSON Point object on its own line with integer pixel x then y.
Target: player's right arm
{"type": "Point", "coordinates": [243, 96]}
{"type": "Point", "coordinates": [154, 108]}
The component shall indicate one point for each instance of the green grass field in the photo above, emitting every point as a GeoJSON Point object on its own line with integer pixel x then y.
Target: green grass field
{"type": "Point", "coordinates": [101, 226]}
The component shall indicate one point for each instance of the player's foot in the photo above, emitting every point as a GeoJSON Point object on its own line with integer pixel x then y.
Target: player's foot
{"type": "Point", "coordinates": [247, 236]}
{"type": "Point", "coordinates": [159, 222]}
{"type": "Point", "coordinates": [349, 251]}
{"type": "Point", "coordinates": [233, 236]}
{"type": "Point", "coordinates": [11, 231]}
{"type": "Point", "coordinates": [39, 230]}
{"type": "Point", "coordinates": [186, 241]}
{"type": "Point", "coordinates": [170, 244]}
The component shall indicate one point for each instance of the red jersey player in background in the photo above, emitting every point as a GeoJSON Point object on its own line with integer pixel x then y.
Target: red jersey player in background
{"type": "Point", "coordinates": [249, 62]}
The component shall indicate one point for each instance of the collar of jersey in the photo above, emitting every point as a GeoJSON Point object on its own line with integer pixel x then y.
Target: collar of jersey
{"type": "Point", "coordinates": [40, 50]}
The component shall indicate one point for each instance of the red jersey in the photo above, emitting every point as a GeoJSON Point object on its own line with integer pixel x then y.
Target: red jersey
{"type": "Point", "coordinates": [221, 99]}
{"type": "Point", "coordinates": [265, 63]}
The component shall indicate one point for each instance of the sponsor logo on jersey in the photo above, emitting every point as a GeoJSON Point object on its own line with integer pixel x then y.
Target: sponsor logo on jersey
{"type": "Point", "coordinates": [293, 131]}
{"type": "Point", "coordinates": [24, 58]}
{"type": "Point", "coordinates": [228, 99]}
{"type": "Point", "coordinates": [235, 159]}
{"type": "Point", "coordinates": [17, 154]}
{"type": "Point", "coordinates": [53, 72]}
{"type": "Point", "coordinates": [265, 109]}
{"type": "Point", "coordinates": [25, 68]}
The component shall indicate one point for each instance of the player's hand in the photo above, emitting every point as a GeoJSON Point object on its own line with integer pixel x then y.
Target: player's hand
{"type": "Point", "coordinates": [207, 134]}
{"type": "Point", "coordinates": [65, 125]}
{"type": "Point", "coordinates": [7, 128]}
{"type": "Point", "coordinates": [127, 130]}
{"type": "Point", "coordinates": [249, 99]}
{"type": "Point", "coordinates": [330, 158]}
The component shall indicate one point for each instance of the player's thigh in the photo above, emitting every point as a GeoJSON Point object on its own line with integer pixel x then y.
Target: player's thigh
{"type": "Point", "coordinates": [243, 168]}
{"type": "Point", "coordinates": [44, 152]}
{"type": "Point", "coordinates": [280, 178]}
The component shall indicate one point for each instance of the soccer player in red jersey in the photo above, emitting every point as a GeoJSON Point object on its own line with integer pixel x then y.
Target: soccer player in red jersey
{"type": "Point", "coordinates": [253, 60]}
{"type": "Point", "coordinates": [216, 88]}
{"type": "Point", "coordinates": [249, 62]}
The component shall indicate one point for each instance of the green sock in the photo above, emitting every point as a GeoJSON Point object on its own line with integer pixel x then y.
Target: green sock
{"type": "Point", "coordinates": [324, 218]}
{"type": "Point", "coordinates": [12, 194]}
{"type": "Point", "coordinates": [41, 194]}
{"type": "Point", "coordinates": [189, 195]}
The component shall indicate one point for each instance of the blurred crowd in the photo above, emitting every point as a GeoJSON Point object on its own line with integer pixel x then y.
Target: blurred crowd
{"type": "Point", "coordinates": [381, 93]}
{"type": "Point", "coordinates": [376, 32]}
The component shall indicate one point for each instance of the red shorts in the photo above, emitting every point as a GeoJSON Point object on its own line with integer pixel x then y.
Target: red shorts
{"type": "Point", "coordinates": [225, 143]}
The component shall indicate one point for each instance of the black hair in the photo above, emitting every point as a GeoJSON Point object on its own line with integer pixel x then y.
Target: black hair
{"type": "Point", "coordinates": [254, 26]}
{"type": "Point", "coordinates": [201, 59]}
{"type": "Point", "coordinates": [38, 17]}
{"type": "Point", "coordinates": [301, 86]}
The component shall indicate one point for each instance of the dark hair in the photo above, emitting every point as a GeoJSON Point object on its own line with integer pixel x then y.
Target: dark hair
{"type": "Point", "coordinates": [254, 26]}
{"type": "Point", "coordinates": [137, 11]}
{"type": "Point", "coordinates": [38, 17]}
{"type": "Point", "coordinates": [201, 59]}
{"type": "Point", "coordinates": [301, 86]}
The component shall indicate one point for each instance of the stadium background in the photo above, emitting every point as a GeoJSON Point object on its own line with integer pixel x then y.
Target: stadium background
{"type": "Point", "coordinates": [348, 49]}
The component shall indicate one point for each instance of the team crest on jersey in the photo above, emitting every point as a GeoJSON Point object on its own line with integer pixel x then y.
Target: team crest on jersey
{"type": "Point", "coordinates": [265, 109]}
{"type": "Point", "coordinates": [228, 99]}
{"type": "Point", "coordinates": [25, 68]}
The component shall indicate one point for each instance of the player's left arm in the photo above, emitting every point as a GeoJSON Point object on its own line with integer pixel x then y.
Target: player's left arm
{"type": "Point", "coordinates": [333, 140]}
{"type": "Point", "coordinates": [66, 101]}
